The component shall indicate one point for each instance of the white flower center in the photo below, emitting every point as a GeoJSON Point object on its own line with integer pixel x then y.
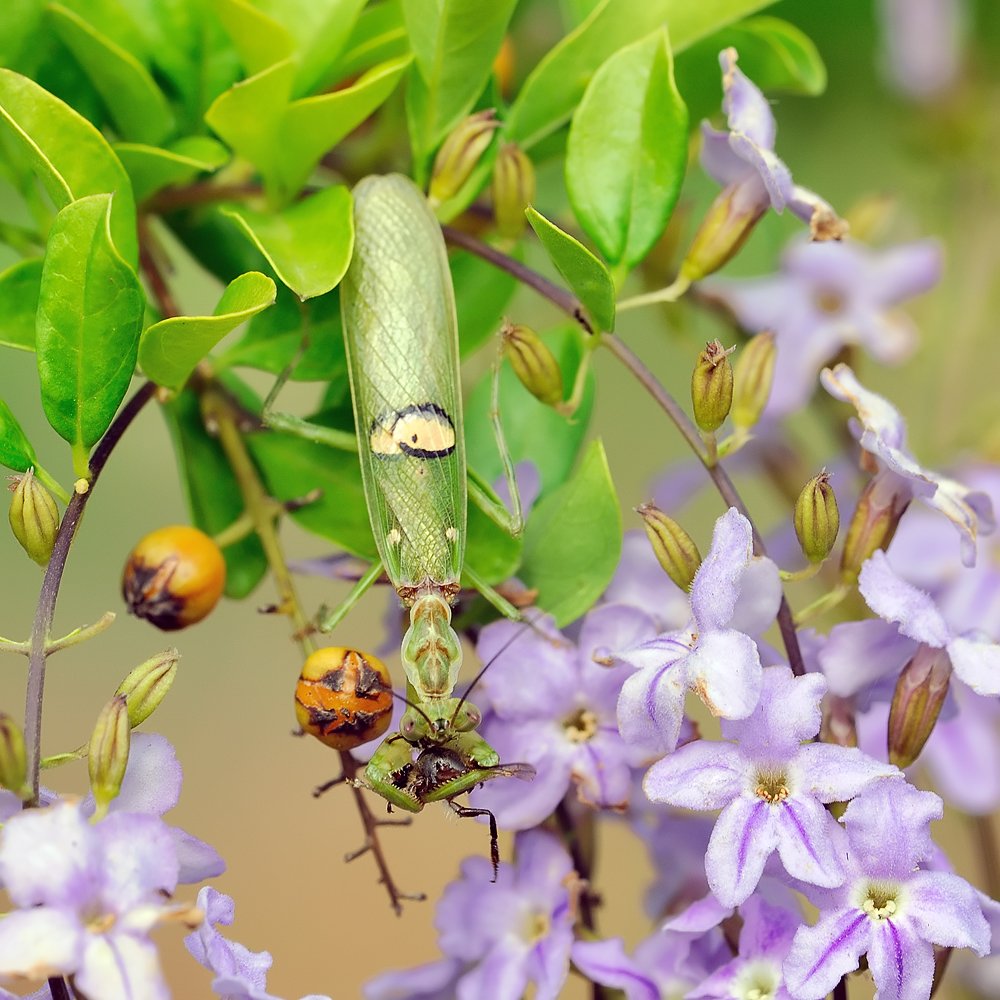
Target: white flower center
{"type": "Point", "coordinates": [880, 900]}
{"type": "Point", "coordinates": [757, 981]}
{"type": "Point", "coordinates": [581, 726]}
{"type": "Point", "coordinates": [771, 786]}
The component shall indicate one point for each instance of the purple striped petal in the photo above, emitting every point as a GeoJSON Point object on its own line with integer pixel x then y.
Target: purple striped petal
{"type": "Point", "coordinates": [806, 844]}
{"type": "Point", "coordinates": [821, 955]}
{"type": "Point", "coordinates": [836, 774]}
{"type": "Point", "coordinates": [901, 964]}
{"type": "Point", "coordinates": [716, 584]}
{"type": "Point", "coordinates": [895, 600]}
{"type": "Point", "coordinates": [606, 963]}
{"type": "Point", "coordinates": [745, 834]}
{"type": "Point", "coordinates": [700, 775]}
{"type": "Point", "coordinates": [944, 909]}
{"type": "Point", "coordinates": [651, 706]}
{"type": "Point", "coordinates": [725, 671]}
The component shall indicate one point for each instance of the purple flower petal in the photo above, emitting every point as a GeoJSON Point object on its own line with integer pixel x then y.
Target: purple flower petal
{"type": "Point", "coordinates": [747, 110]}
{"type": "Point", "coordinates": [744, 837]}
{"type": "Point", "coordinates": [821, 955]}
{"type": "Point", "coordinates": [641, 582]}
{"type": "Point", "coordinates": [837, 774]}
{"type": "Point", "coordinates": [977, 663]}
{"type": "Point", "coordinates": [759, 598]}
{"type": "Point", "coordinates": [787, 712]}
{"type": "Point", "coordinates": [721, 163]}
{"type": "Point", "coordinates": [501, 974]}
{"type": "Point", "coordinates": [140, 861]}
{"type": "Point", "coordinates": [606, 963]}
{"type": "Point", "coordinates": [433, 981]}
{"type": "Point", "coordinates": [198, 860]}
{"type": "Point", "coordinates": [805, 842]}
{"type": "Point", "coordinates": [120, 965]}
{"type": "Point", "coordinates": [702, 915]}
{"type": "Point", "coordinates": [901, 964]}
{"type": "Point", "coordinates": [41, 942]}
{"type": "Point", "coordinates": [716, 584]}
{"type": "Point", "coordinates": [725, 671]}
{"type": "Point", "coordinates": [700, 775]}
{"type": "Point", "coordinates": [152, 782]}
{"type": "Point", "coordinates": [897, 601]}
{"type": "Point", "coordinates": [651, 706]}
{"type": "Point", "coordinates": [857, 654]}
{"type": "Point", "coordinates": [945, 911]}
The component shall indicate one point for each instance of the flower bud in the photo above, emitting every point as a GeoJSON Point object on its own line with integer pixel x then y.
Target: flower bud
{"type": "Point", "coordinates": [727, 224]}
{"type": "Point", "coordinates": [13, 759]}
{"type": "Point", "coordinates": [712, 387]}
{"type": "Point", "coordinates": [147, 685]}
{"type": "Point", "coordinates": [533, 363]}
{"type": "Point", "coordinates": [459, 154]}
{"type": "Point", "coordinates": [107, 754]}
{"type": "Point", "coordinates": [343, 697]}
{"type": "Point", "coordinates": [34, 517]}
{"type": "Point", "coordinates": [753, 374]}
{"type": "Point", "coordinates": [513, 189]}
{"type": "Point", "coordinates": [673, 546]}
{"type": "Point", "coordinates": [817, 519]}
{"type": "Point", "coordinates": [173, 577]}
{"type": "Point", "coordinates": [916, 703]}
{"type": "Point", "coordinates": [873, 524]}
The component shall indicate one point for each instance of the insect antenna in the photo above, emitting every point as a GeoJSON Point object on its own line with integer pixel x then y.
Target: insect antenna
{"type": "Point", "coordinates": [414, 706]}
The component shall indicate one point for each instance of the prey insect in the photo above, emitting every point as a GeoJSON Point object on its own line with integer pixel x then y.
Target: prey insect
{"type": "Point", "coordinates": [401, 336]}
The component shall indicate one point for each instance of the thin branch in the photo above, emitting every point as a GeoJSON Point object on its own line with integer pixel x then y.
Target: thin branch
{"type": "Point", "coordinates": [203, 193]}
{"type": "Point", "coordinates": [840, 990]}
{"type": "Point", "coordinates": [989, 858]}
{"type": "Point", "coordinates": [45, 609]}
{"type": "Point", "coordinates": [561, 298]}
{"type": "Point", "coordinates": [148, 248]}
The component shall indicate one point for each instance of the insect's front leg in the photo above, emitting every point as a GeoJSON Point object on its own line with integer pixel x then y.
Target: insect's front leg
{"type": "Point", "coordinates": [388, 770]}
{"type": "Point", "coordinates": [474, 748]}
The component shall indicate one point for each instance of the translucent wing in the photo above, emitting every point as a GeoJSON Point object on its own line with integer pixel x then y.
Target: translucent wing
{"type": "Point", "coordinates": [402, 349]}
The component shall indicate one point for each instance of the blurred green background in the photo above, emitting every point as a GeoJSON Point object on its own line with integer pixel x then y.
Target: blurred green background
{"type": "Point", "coordinates": [248, 782]}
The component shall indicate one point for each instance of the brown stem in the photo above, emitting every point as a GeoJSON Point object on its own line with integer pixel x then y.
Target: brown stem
{"type": "Point", "coordinates": [200, 194]}
{"type": "Point", "coordinates": [59, 988]}
{"type": "Point", "coordinates": [559, 297]}
{"type": "Point", "coordinates": [988, 856]}
{"type": "Point", "coordinates": [840, 990]}
{"type": "Point", "coordinates": [148, 249]}
{"type": "Point", "coordinates": [45, 609]}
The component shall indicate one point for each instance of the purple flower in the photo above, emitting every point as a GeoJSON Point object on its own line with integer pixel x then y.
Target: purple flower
{"type": "Point", "coordinates": [721, 663]}
{"type": "Point", "coordinates": [240, 974]}
{"type": "Point", "coordinates": [497, 942]}
{"type": "Point", "coordinates": [888, 907]}
{"type": "Point", "coordinates": [551, 704]}
{"type": "Point", "coordinates": [975, 659]}
{"type": "Point", "coordinates": [829, 295]}
{"type": "Point", "coordinates": [923, 42]}
{"type": "Point", "coordinates": [771, 788]}
{"type": "Point", "coordinates": [88, 896]}
{"type": "Point", "coordinates": [744, 159]}
{"type": "Point", "coordinates": [882, 433]}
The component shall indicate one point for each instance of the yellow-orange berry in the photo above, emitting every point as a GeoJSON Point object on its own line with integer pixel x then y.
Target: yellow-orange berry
{"type": "Point", "coordinates": [174, 577]}
{"type": "Point", "coordinates": [343, 697]}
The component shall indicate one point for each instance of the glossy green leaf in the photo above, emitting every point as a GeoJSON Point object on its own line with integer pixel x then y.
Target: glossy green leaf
{"type": "Point", "coordinates": [152, 168]}
{"type": "Point", "coordinates": [90, 310]}
{"type": "Point", "coordinates": [70, 157]}
{"type": "Point", "coordinates": [274, 338]}
{"type": "Point", "coordinates": [293, 466]}
{"type": "Point", "coordinates": [482, 293]}
{"type": "Point", "coordinates": [583, 272]}
{"type": "Point", "coordinates": [322, 30]}
{"type": "Point", "coordinates": [573, 539]}
{"type": "Point", "coordinates": [554, 87]}
{"type": "Point", "coordinates": [493, 553]}
{"type": "Point", "coordinates": [260, 40]}
{"type": "Point", "coordinates": [309, 244]}
{"type": "Point", "coordinates": [19, 302]}
{"type": "Point", "coordinates": [16, 451]}
{"type": "Point", "coordinates": [454, 44]}
{"type": "Point", "coordinates": [534, 432]}
{"type": "Point", "coordinates": [135, 103]}
{"type": "Point", "coordinates": [170, 349]}
{"type": "Point", "coordinates": [627, 150]}
{"type": "Point", "coordinates": [212, 492]}
{"type": "Point", "coordinates": [211, 239]}
{"type": "Point", "coordinates": [378, 35]}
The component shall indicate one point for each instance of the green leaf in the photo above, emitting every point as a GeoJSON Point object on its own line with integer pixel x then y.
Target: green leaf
{"type": "Point", "coordinates": [16, 451]}
{"type": "Point", "coordinates": [260, 40]}
{"type": "Point", "coordinates": [152, 169]}
{"type": "Point", "coordinates": [627, 150]}
{"type": "Point", "coordinates": [90, 309]}
{"type": "Point", "coordinates": [776, 55]}
{"type": "Point", "coordinates": [293, 466]}
{"type": "Point", "coordinates": [573, 539]}
{"type": "Point", "coordinates": [554, 87]}
{"type": "Point", "coordinates": [323, 31]}
{"type": "Point", "coordinates": [482, 293]}
{"type": "Point", "coordinates": [533, 431]}
{"type": "Point", "coordinates": [212, 492]}
{"type": "Point", "coordinates": [69, 156]}
{"type": "Point", "coordinates": [275, 336]}
{"type": "Point", "coordinates": [454, 44]}
{"type": "Point", "coordinates": [19, 302]}
{"type": "Point", "coordinates": [583, 272]}
{"type": "Point", "coordinates": [490, 550]}
{"type": "Point", "coordinates": [136, 104]}
{"type": "Point", "coordinates": [170, 349]}
{"type": "Point", "coordinates": [378, 35]}
{"type": "Point", "coordinates": [309, 244]}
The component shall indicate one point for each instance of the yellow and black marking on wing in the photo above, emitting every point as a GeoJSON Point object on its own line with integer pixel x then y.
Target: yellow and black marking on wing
{"type": "Point", "coordinates": [402, 349]}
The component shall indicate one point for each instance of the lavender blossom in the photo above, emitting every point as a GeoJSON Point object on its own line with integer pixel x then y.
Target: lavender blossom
{"type": "Point", "coordinates": [720, 662]}
{"type": "Point", "coordinates": [522, 934]}
{"type": "Point", "coordinates": [888, 907]}
{"type": "Point", "coordinates": [881, 432]}
{"type": "Point", "coordinates": [771, 788]}
{"type": "Point", "coordinates": [551, 704]}
{"type": "Point", "coordinates": [923, 43]}
{"type": "Point", "coordinates": [827, 296]}
{"type": "Point", "coordinates": [87, 898]}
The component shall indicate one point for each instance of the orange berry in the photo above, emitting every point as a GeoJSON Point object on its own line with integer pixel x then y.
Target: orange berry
{"type": "Point", "coordinates": [174, 577]}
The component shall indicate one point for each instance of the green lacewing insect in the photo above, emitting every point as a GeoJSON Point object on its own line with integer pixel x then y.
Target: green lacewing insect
{"type": "Point", "coordinates": [401, 334]}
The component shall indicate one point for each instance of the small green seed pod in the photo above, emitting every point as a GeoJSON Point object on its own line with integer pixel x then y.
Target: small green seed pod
{"type": "Point", "coordinates": [13, 759]}
{"type": "Point", "coordinates": [753, 374]}
{"type": "Point", "coordinates": [817, 518]}
{"type": "Point", "coordinates": [916, 703]}
{"type": "Point", "coordinates": [533, 363]}
{"type": "Point", "coordinates": [712, 387]}
{"type": "Point", "coordinates": [147, 685]}
{"type": "Point", "coordinates": [33, 516]}
{"type": "Point", "coordinates": [107, 753]}
{"type": "Point", "coordinates": [674, 548]}
{"type": "Point", "coordinates": [460, 153]}
{"type": "Point", "coordinates": [513, 190]}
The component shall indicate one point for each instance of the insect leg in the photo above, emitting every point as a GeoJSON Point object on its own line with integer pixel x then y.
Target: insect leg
{"type": "Point", "coordinates": [328, 619]}
{"type": "Point", "coordinates": [497, 600]}
{"type": "Point", "coordinates": [468, 811]}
